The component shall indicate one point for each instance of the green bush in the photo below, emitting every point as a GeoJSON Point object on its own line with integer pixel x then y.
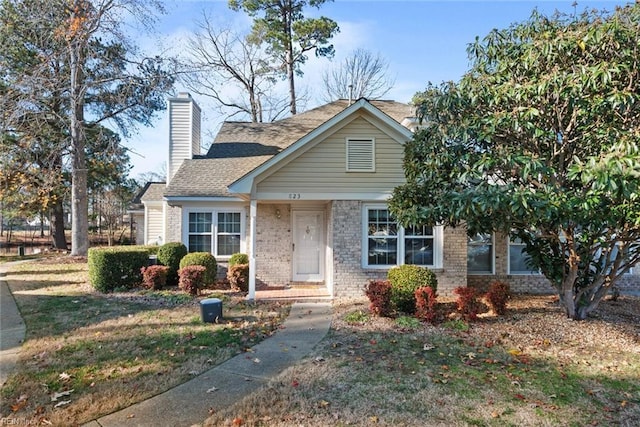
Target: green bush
{"type": "Point", "coordinates": [116, 267]}
{"type": "Point", "coordinates": [405, 280]}
{"type": "Point", "coordinates": [170, 255]}
{"type": "Point", "coordinates": [204, 259]}
{"type": "Point", "coordinates": [238, 258]}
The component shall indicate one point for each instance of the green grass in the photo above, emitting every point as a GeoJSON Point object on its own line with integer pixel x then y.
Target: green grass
{"type": "Point", "coordinates": [116, 349]}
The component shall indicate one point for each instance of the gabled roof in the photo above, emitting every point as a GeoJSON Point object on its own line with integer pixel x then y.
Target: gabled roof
{"type": "Point", "coordinates": [244, 185]}
{"type": "Point", "coordinates": [241, 147]}
{"type": "Point", "coordinates": [151, 192]}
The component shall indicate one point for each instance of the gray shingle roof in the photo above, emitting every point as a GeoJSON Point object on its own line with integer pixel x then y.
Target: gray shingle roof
{"type": "Point", "coordinates": [153, 192]}
{"type": "Point", "coordinates": [240, 147]}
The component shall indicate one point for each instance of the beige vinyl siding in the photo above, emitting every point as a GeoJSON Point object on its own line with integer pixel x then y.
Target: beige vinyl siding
{"type": "Point", "coordinates": [155, 224]}
{"type": "Point", "coordinates": [323, 169]}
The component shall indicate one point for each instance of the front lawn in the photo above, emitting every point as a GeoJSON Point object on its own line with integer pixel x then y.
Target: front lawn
{"type": "Point", "coordinates": [530, 367]}
{"type": "Point", "coordinates": [87, 354]}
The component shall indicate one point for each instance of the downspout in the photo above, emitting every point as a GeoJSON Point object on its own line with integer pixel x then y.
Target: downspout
{"type": "Point", "coordinates": [253, 209]}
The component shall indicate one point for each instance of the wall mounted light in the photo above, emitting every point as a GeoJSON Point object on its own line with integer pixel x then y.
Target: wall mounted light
{"type": "Point", "coordinates": [278, 214]}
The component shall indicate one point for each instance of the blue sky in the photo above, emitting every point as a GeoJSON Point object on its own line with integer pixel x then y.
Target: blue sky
{"type": "Point", "coordinates": [422, 41]}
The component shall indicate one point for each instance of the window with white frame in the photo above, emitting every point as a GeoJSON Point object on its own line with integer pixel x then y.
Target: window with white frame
{"type": "Point", "coordinates": [218, 233]}
{"type": "Point", "coordinates": [480, 254]}
{"type": "Point", "coordinates": [518, 259]}
{"type": "Point", "coordinates": [360, 155]}
{"type": "Point", "coordinates": [388, 244]}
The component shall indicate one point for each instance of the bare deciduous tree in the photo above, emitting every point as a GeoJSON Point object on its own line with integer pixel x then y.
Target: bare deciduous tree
{"type": "Point", "coordinates": [361, 75]}
{"type": "Point", "coordinates": [235, 72]}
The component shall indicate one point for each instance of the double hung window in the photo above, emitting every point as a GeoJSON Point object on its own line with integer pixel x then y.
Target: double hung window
{"type": "Point", "coordinates": [388, 244]}
{"type": "Point", "coordinates": [218, 232]}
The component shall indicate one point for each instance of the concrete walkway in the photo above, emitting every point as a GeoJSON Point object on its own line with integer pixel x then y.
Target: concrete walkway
{"type": "Point", "coordinates": [12, 329]}
{"type": "Point", "coordinates": [224, 385]}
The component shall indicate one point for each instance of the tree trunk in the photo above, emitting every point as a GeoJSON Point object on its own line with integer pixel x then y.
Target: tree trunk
{"type": "Point", "coordinates": [79, 198]}
{"type": "Point", "coordinates": [57, 226]}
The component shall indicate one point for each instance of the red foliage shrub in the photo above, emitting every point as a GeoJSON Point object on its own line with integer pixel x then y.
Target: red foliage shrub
{"type": "Point", "coordinates": [238, 277]}
{"type": "Point", "coordinates": [497, 296]}
{"type": "Point", "coordinates": [154, 276]}
{"type": "Point", "coordinates": [467, 302]}
{"type": "Point", "coordinates": [379, 294]}
{"type": "Point", "coordinates": [426, 302]}
{"type": "Point", "coordinates": [191, 278]}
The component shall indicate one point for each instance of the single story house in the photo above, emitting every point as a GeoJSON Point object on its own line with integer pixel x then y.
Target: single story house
{"type": "Point", "coordinates": [305, 198]}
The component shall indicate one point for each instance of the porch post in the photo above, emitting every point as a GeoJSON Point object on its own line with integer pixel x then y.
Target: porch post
{"type": "Point", "coordinates": [253, 209]}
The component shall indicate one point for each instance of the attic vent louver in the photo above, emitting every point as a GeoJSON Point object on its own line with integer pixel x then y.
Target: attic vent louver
{"type": "Point", "coordinates": [360, 155]}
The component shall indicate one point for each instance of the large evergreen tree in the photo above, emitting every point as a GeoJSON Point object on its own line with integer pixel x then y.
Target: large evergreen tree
{"type": "Point", "coordinates": [539, 140]}
{"type": "Point", "coordinates": [281, 24]}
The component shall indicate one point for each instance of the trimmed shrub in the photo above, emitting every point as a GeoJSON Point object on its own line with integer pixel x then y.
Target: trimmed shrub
{"type": "Point", "coordinates": [154, 277]}
{"type": "Point", "coordinates": [238, 276]}
{"type": "Point", "coordinates": [426, 302]}
{"type": "Point", "coordinates": [192, 279]}
{"type": "Point", "coordinates": [467, 302]}
{"type": "Point", "coordinates": [379, 294]}
{"type": "Point", "coordinates": [170, 255]}
{"type": "Point", "coordinates": [204, 259]}
{"type": "Point", "coordinates": [116, 267]}
{"type": "Point", "coordinates": [238, 258]}
{"type": "Point", "coordinates": [405, 280]}
{"type": "Point", "coordinates": [497, 296]}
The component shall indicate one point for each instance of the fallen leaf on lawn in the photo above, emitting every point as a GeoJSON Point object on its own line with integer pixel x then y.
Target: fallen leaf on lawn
{"type": "Point", "coordinates": [374, 419]}
{"type": "Point", "coordinates": [131, 416]}
{"type": "Point", "coordinates": [193, 372]}
{"type": "Point", "coordinates": [515, 352]}
{"type": "Point", "coordinates": [62, 403]}
{"type": "Point", "coordinates": [319, 359]}
{"type": "Point", "coordinates": [57, 396]}
{"type": "Point", "coordinates": [519, 396]}
{"type": "Point", "coordinates": [256, 360]}
{"type": "Point", "coordinates": [64, 376]}
{"type": "Point", "coordinates": [295, 383]}
{"type": "Point", "coordinates": [428, 347]}
{"type": "Point", "coordinates": [323, 404]}
{"type": "Point", "coordinates": [20, 403]}
{"type": "Point", "coordinates": [623, 403]}
{"type": "Point", "coordinates": [238, 421]}
{"type": "Point", "coordinates": [471, 355]}
{"type": "Point", "coordinates": [212, 389]}
{"type": "Point", "coordinates": [495, 414]}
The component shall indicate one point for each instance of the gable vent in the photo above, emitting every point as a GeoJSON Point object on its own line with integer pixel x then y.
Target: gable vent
{"type": "Point", "coordinates": [360, 155]}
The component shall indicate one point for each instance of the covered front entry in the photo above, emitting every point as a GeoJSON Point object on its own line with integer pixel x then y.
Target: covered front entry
{"type": "Point", "coordinates": [308, 246]}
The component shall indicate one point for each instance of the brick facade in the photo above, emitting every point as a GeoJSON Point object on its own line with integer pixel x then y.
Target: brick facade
{"type": "Point", "coordinates": [273, 244]}
{"type": "Point", "coordinates": [350, 278]}
{"type": "Point", "coordinates": [519, 283]}
{"type": "Point", "coordinates": [174, 224]}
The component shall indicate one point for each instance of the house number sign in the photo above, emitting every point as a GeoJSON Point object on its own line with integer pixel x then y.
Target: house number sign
{"type": "Point", "coordinates": [294, 196]}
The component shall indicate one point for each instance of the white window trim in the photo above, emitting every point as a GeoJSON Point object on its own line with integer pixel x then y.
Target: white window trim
{"type": "Point", "coordinates": [517, 273]}
{"type": "Point", "coordinates": [493, 260]}
{"type": "Point", "coordinates": [373, 155]}
{"type": "Point", "coordinates": [214, 228]}
{"type": "Point", "coordinates": [437, 242]}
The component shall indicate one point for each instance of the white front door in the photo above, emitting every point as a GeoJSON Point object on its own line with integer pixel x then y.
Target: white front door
{"type": "Point", "coordinates": [308, 246]}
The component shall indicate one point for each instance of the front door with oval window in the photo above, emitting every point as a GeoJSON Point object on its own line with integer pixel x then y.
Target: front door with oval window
{"type": "Point", "coordinates": [308, 246]}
